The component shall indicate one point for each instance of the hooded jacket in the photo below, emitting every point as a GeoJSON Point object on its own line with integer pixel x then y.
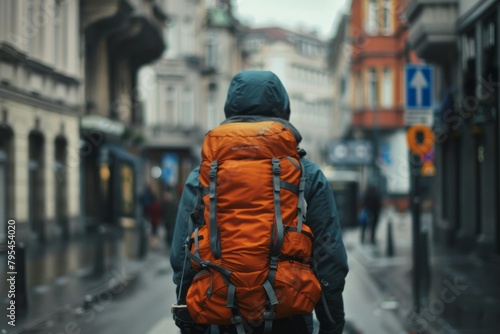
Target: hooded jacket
{"type": "Point", "coordinates": [261, 93]}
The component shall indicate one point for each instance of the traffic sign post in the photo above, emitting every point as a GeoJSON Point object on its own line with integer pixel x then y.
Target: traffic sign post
{"type": "Point", "coordinates": [420, 142]}
{"type": "Point", "coordinates": [419, 87]}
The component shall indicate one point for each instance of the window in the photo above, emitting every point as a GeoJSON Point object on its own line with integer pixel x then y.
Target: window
{"type": "Point", "coordinates": [212, 53]}
{"type": "Point", "coordinates": [372, 88]}
{"type": "Point", "coordinates": [187, 41]}
{"type": "Point", "coordinates": [31, 47]}
{"type": "Point", "coordinates": [359, 91]}
{"type": "Point", "coordinates": [61, 34]}
{"type": "Point", "coordinates": [387, 88]}
{"type": "Point", "coordinates": [187, 107]}
{"type": "Point", "coordinates": [371, 25]}
{"type": "Point", "coordinates": [386, 16]}
{"type": "Point", "coordinates": [254, 45]}
{"type": "Point", "coordinates": [173, 39]}
{"type": "Point", "coordinates": [171, 106]}
{"type": "Point", "coordinates": [211, 109]}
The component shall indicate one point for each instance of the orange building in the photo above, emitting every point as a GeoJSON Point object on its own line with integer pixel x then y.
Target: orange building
{"type": "Point", "coordinates": [379, 36]}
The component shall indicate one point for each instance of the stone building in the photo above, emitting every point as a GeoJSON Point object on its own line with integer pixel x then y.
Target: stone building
{"type": "Point", "coordinates": [40, 104]}
{"type": "Point", "coordinates": [190, 86]}
{"type": "Point", "coordinates": [119, 38]}
{"type": "Point", "coordinates": [300, 61]}
{"type": "Point", "coordinates": [339, 57]}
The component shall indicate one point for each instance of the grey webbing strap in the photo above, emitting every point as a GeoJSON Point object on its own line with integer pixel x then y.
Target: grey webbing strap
{"type": "Point", "coordinates": [301, 208]}
{"type": "Point", "coordinates": [293, 162]}
{"type": "Point", "coordinates": [196, 243]}
{"type": "Point", "coordinates": [231, 296]}
{"type": "Point", "coordinates": [269, 313]}
{"type": "Point", "coordinates": [212, 193]}
{"type": "Point", "coordinates": [236, 318]}
{"type": "Point", "coordinates": [204, 191]}
{"type": "Point", "coordinates": [276, 248]}
{"type": "Point", "coordinates": [289, 186]}
{"type": "Point", "coordinates": [226, 274]}
{"type": "Point", "coordinates": [270, 293]}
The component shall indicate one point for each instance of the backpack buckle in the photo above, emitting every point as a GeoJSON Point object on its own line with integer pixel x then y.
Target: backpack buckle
{"type": "Point", "coordinates": [269, 315]}
{"type": "Point", "coordinates": [273, 263]}
{"type": "Point", "coordinates": [236, 319]}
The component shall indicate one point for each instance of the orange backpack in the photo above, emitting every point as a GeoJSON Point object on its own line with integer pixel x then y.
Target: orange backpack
{"type": "Point", "coordinates": [253, 249]}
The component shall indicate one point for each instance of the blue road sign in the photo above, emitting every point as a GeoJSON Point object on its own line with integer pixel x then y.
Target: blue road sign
{"type": "Point", "coordinates": [170, 168]}
{"type": "Point", "coordinates": [418, 87]}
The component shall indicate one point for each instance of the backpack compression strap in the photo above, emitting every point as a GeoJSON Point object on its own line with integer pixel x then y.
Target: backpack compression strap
{"type": "Point", "coordinates": [276, 243]}
{"type": "Point", "coordinates": [301, 207]}
{"type": "Point", "coordinates": [212, 193]}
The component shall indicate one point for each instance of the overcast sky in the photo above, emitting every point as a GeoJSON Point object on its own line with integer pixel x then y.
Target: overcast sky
{"type": "Point", "coordinates": [317, 15]}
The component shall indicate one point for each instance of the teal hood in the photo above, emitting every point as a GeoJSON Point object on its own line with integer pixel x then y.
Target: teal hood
{"type": "Point", "coordinates": [257, 93]}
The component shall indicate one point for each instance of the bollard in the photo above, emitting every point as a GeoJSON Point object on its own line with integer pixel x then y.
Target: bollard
{"type": "Point", "coordinates": [424, 263]}
{"type": "Point", "coordinates": [21, 290]}
{"type": "Point", "coordinates": [390, 241]}
{"type": "Point", "coordinates": [99, 261]}
{"type": "Point", "coordinates": [143, 240]}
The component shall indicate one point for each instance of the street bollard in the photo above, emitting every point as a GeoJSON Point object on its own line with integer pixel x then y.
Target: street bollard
{"type": "Point", "coordinates": [143, 240]}
{"type": "Point", "coordinates": [390, 241]}
{"type": "Point", "coordinates": [424, 263]}
{"type": "Point", "coordinates": [99, 261]}
{"type": "Point", "coordinates": [21, 290]}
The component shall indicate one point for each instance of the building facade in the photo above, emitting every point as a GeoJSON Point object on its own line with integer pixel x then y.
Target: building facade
{"type": "Point", "coordinates": [119, 38]}
{"type": "Point", "coordinates": [190, 86]}
{"type": "Point", "coordinates": [340, 65]}
{"type": "Point", "coordinates": [464, 49]}
{"type": "Point", "coordinates": [379, 54]}
{"type": "Point", "coordinates": [300, 61]}
{"type": "Point", "coordinates": [40, 104]}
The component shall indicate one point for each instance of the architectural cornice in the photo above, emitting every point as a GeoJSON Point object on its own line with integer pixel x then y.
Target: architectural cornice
{"type": "Point", "coordinates": [10, 93]}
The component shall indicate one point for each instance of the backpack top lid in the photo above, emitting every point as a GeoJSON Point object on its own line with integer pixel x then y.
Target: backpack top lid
{"type": "Point", "coordinates": [257, 93]}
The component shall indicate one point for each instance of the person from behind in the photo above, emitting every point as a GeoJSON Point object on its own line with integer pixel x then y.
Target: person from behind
{"type": "Point", "coordinates": [284, 206]}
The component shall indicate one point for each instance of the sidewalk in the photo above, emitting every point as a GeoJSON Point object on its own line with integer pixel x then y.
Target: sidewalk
{"type": "Point", "coordinates": [62, 274]}
{"type": "Point", "coordinates": [464, 295]}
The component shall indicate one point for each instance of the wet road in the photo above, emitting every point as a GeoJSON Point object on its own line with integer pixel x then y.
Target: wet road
{"type": "Point", "coordinates": [136, 309]}
{"type": "Point", "coordinates": [144, 307]}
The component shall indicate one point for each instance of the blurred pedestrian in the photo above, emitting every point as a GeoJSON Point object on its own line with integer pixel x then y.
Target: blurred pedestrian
{"type": "Point", "coordinates": [363, 219]}
{"type": "Point", "coordinates": [169, 210]}
{"type": "Point", "coordinates": [155, 215]}
{"type": "Point", "coordinates": [145, 200]}
{"type": "Point", "coordinates": [372, 201]}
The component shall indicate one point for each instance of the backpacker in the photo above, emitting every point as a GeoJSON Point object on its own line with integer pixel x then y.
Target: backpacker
{"type": "Point", "coordinates": [253, 248]}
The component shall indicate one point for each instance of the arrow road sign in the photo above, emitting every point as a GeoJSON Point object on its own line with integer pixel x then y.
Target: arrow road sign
{"type": "Point", "coordinates": [418, 87]}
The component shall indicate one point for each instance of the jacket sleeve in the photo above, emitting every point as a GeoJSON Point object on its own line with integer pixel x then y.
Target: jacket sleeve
{"type": "Point", "coordinates": [329, 255]}
{"type": "Point", "coordinates": [177, 253]}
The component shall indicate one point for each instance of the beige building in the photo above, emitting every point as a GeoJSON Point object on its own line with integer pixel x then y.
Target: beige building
{"type": "Point", "coordinates": [40, 104]}
{"type": "Point", "coordinates": [187, 87]}
{"type": "Point", "coordinates": [340, 66]}
{"type": "Point", "coordinates": [300, 61]}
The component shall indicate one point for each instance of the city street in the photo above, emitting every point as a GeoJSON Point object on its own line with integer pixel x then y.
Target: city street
{"type": "Point", "coordinates": [144, 306]}
{"type": "Point", "coordinates": [124, 120]}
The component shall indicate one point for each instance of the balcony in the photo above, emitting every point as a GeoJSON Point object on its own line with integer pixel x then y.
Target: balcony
{"type": "Point", "coordinates": [432, 28]}
{"type": "Point", "coordinates": [386, 119]}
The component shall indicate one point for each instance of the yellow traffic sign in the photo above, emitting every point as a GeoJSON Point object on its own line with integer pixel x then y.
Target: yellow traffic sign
{"type": "Point", "coordinates": [420, 139]}
{"type": "Point", "coordinates": [428, 169]}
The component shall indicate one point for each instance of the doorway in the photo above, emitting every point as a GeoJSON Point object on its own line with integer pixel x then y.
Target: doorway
{"type": "Point", "coordinates": [61, 186]}
{"type": "Point", "coordinates": [6, 180]}
{"type": "Point", "coordinates": [36, 186]}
